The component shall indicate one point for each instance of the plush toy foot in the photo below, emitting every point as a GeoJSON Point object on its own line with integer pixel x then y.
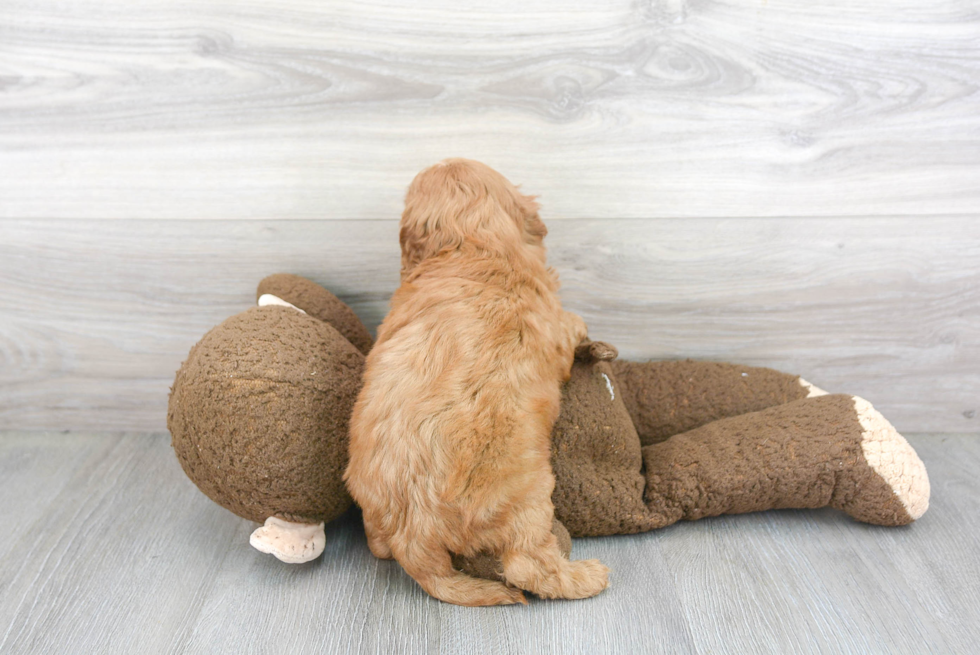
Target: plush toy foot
{"type": "Point", "coordinates": [829, 450]}
{"type": "Point", "coordinates": [898, 492]}
{"type": "Point", "coordinates": [811, 390]}
{"type": "Point", "coordinates": [293, 543]}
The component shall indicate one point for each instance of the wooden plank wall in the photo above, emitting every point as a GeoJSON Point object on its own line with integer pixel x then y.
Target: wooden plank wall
{"type": "Point", "coordinates": [782, 184]}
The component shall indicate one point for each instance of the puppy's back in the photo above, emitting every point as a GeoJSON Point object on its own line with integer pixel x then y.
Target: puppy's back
{"type": "Point", "coordinates": [460, 366]}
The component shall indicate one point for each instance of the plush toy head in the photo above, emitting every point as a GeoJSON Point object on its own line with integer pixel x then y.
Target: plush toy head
{"type": "Point", "coordinates": [259, 411]}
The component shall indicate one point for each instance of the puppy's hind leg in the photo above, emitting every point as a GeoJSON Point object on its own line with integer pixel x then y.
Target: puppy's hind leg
{"type": "Point", "coordinates": [431, 566]}
{"type": "Point", "coordinates": [545, 572]}
{"type": "Point", "coordinates": [535, 562]}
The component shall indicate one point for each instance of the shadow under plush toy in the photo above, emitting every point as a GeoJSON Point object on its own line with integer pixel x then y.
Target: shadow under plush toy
{"type": "Point", "coordinates": [259, 418]}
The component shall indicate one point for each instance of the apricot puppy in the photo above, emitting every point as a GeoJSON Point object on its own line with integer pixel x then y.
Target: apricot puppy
{"type": "Point", "coordinates": [450, 436]}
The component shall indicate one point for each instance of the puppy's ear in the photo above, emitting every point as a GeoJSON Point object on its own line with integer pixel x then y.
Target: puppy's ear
{"type": "Point", "coordinates": [534, 227]}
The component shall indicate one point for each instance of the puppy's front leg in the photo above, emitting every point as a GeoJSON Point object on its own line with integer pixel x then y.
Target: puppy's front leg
{"type": "Point", "coordinates": [375, 539]}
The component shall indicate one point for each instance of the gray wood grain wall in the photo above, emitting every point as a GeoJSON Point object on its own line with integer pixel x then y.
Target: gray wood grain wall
{"type": "Point", "coordinates": [782, 184]}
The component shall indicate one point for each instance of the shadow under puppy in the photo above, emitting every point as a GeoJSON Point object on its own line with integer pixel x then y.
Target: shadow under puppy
{"type": "Point", "coordinates": [450, 438]}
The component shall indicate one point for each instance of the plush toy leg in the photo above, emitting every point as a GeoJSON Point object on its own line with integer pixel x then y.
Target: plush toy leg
{"type": "Point", "coordinates": [668, 398]}
{"type": "Point", "coordinates": [831, 450]}
{"type": "Point", "coordinates": [293, 543]}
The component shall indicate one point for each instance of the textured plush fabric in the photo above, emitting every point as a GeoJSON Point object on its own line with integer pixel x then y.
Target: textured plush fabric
{"type": "Point", "coordinates": [667, 398]}
{"type": "Point", "coordinates": [259, 415]}
{"type": "Point", "coordinates": [596, 458]}
{"type": "Point", "coordinates": [319, 303]}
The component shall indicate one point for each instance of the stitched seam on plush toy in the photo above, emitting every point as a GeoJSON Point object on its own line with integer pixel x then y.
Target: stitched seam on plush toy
{"type": "Point", "coordinates": [612, 394]}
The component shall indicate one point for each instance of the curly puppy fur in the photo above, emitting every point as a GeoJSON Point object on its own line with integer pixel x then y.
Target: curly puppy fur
{"type": "Point", "coordinates": [450, 436]}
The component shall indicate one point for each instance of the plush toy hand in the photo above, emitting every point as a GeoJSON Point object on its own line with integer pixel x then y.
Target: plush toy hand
{"type": "Point", "coordinates": [595, 351]}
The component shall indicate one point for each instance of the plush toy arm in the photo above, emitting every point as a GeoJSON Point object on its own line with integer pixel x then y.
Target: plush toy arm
{"type": "Point", "coordinates": [668, 398]}
{"type": "Point", "coordinates": [595, 351]}
{"type": "Point", "coordinates": [318, 303]}
{"type": "Point", "coordinates": [834, 451]}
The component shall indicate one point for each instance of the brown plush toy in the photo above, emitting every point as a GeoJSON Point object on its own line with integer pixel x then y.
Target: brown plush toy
{"type": "Point", "coordinates": [259, 411]}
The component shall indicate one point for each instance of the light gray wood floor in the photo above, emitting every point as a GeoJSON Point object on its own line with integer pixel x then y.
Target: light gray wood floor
{"type": "Point", "coordinates": [107, 547]}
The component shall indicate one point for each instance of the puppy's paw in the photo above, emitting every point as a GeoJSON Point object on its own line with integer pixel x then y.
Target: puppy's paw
{"type": "Point", "coordinates": [586, 578]}
{"type": "Point", "coordinates": [379, 547]}
{"type": "Point", "coordinates": [509, 596]}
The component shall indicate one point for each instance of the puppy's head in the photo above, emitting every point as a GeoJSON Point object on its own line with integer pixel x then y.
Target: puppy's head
{"type": "Point", "coordinates": [460, 200]}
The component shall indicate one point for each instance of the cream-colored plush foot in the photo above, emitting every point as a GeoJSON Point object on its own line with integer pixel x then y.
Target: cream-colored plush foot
{"type": "Point", "coordinates": [812, 391]}
{"type": "Point", "coordinates": [293, 543]}
{"type": "Point", "coordinates": [892, 458]}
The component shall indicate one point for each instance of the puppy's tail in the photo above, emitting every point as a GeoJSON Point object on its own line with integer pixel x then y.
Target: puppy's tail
{"type": "Point", "coordinates": [432, 568]}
